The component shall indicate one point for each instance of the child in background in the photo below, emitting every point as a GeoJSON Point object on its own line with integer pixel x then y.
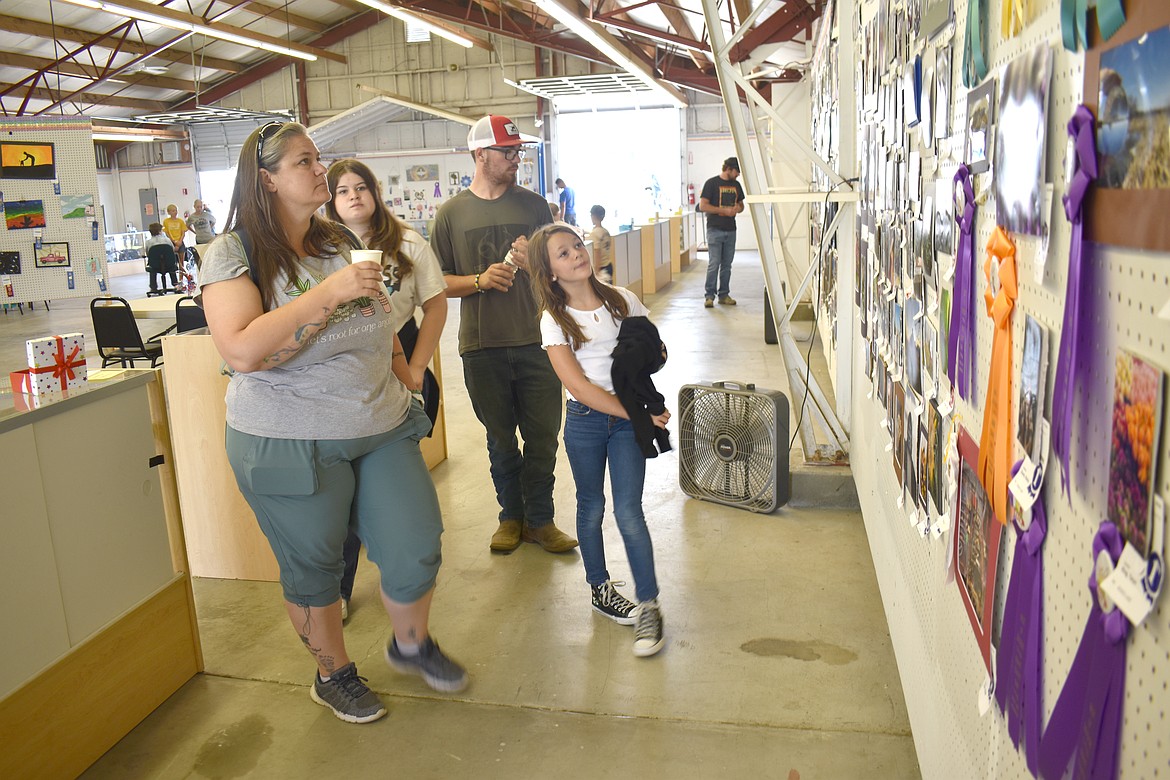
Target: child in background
{"type": "Point", "coordinates": [175, 228]}
{"type": "Point", "coordinates": [602, 243]}
{"type": "Point", "coordinates": [579, 324]}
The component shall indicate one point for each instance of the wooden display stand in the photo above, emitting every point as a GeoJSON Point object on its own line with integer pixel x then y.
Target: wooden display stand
{"type": "Point", "coordinates": [100, 618]}
{"type": "Point", "coordinates": [223, 539]}
{"type": "Point", "coordinates": [656, 262]}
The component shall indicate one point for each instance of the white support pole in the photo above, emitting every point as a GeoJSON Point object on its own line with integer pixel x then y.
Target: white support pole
{"type": "Point", "coordinates": [751, 163]}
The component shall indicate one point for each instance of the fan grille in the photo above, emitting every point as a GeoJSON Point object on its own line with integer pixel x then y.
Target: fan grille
{"type": "Point", "coordinates": [728, 450]}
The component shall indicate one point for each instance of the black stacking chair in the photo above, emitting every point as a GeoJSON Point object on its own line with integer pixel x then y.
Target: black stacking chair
{"type": "Point", "coordinates": [117, 334]}
{"type": "Point", "coordinates": [188, 315]}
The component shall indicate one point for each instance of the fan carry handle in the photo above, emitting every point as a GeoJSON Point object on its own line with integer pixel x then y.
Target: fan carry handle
{"type": "Point", "coordinates": [738, 385]}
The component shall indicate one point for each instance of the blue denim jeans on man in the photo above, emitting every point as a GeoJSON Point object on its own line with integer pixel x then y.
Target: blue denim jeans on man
{"type": "Point", "coordinates": [510, 388]}
{"type": "Point", "coordinates": [720, 253]}
{"type": "Point", "coordinates": [592, 438]}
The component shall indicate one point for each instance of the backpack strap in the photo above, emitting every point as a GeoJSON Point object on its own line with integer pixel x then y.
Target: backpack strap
{"type": "Point", "coordinates": [245, 240]}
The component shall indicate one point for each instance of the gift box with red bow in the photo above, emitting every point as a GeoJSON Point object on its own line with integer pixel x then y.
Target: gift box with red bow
{"type": "Point", "coordinates": [56, 364]}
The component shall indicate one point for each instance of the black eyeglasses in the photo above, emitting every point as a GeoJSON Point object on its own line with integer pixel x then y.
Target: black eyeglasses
{"type": "Point", "coordinates": [266, 132]}
{"type": "Point", "coordinates": [511, 153]}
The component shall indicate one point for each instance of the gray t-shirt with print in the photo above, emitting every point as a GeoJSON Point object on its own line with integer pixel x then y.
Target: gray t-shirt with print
{"type": "Point", "coordinates": [472, 233]}
{"type": "Point", "coordinates": [339, 385]}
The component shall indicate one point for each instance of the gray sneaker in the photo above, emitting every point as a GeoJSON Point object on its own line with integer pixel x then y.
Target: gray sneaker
{"type": "Point", "coordinates": [648, 635]}
{"type": "Point", "coordinates": [439, 671]}
{"type": "Point", "coordinates": [348, 696]}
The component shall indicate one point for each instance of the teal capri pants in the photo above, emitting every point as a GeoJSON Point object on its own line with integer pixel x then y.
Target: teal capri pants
{"type": "Point", "coordinates": [307, 494]}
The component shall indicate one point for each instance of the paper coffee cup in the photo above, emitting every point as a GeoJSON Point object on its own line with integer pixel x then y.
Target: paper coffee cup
{"type": "Point", "coordinates": [360, 255]}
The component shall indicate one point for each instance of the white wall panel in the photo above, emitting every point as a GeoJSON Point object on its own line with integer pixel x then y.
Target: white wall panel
{"type": "Point", "coordinates": [941, 668]}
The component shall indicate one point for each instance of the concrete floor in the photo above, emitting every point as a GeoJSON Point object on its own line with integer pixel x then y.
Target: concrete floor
{"type": "Point", "coordinates": [778, 661]}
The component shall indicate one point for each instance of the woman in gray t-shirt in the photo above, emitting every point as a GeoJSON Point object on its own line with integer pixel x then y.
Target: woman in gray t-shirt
{"type": "Point", "coordinates": [322, 432]}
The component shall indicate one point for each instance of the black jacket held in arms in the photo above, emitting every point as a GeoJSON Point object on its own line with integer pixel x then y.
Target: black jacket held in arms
{"type": "Point", "coordinates": [638, 354]}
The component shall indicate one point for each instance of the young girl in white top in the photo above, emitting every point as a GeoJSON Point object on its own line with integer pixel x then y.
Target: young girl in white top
{"type": "Point", "coordinates": [579, 327]}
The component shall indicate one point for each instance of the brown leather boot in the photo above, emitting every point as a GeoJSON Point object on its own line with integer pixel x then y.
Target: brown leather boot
{"type": "Point", "coordinates": [551, 538]}
{"type": "Point", "coordinates": [507, 536]}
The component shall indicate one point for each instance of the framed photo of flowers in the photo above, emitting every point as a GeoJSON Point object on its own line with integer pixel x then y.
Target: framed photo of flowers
{"type": "Point", "coordinates": [1137, 418]}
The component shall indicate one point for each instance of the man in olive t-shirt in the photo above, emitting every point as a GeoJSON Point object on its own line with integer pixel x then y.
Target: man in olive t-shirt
{"type": "Point", "coordinates": [481, 239]}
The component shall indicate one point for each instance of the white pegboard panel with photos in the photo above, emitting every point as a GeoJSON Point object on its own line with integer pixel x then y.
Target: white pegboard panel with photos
{"type": "Point", "coordinates": [52, 245]}
{"type": "Point", "coordinates": [941, 665]}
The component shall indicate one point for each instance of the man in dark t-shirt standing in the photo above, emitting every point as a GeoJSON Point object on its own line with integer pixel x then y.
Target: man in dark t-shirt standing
{"type": "Point", "coordinates": [721, 199]}
{"type": "Point", "coordinates": [481, 239]}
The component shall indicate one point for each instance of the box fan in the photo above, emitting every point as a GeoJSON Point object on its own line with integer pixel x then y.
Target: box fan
{"type": "Point", "coordinates": [734, 444]}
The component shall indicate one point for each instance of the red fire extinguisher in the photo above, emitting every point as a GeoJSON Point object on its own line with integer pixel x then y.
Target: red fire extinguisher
{"type": "Point", "coordinates": [691, 194]}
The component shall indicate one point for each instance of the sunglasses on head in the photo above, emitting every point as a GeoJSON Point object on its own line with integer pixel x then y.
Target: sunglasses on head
{"type": "Point", "coordinates": [266, 132]}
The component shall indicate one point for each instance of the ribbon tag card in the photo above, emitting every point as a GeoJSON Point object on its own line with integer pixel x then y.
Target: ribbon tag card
{"type": "Point", "coordinates": [1129, 584]}
{"type": "Point", "coordinates": [1029, 480]}
{"type": "Point", "coordinates": [1136, 582]}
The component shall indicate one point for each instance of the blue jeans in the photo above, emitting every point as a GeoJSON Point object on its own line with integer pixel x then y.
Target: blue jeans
{"type": "Point", "coordinates": [510, 388]}
{"type": "Point", "coordinates": [720, 253]}
{"type": "Point", "coordinates": [590, 439]}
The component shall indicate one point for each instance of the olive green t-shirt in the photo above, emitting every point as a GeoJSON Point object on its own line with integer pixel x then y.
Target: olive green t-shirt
{"type": "Point", "coordinates": [470, 234]}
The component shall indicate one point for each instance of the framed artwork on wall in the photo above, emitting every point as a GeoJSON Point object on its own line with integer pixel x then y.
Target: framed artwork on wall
{"type": "Point", "coordinates": [1019, 142]}
{"type": "Point", "coordinates": [980, 126]}
{"type": "Point", "coordinates": [21, 214]}
{"type": "Point", "coordinates": [976, 541]}
{"type": "Point", "coordinates": [27, 160]}
{"type": "Point", "coordinates": [10, 263]}
{"type": "Point", "coordinates": [52, 255]}
{"type": "Point", "coordinates": [1133, 462]}
{"type": "Point", "coordinates": [1124, 89]}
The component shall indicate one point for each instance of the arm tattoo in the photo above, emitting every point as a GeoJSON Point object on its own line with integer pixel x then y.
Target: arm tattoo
{"type": "Point", "coordinates": [300, 336]}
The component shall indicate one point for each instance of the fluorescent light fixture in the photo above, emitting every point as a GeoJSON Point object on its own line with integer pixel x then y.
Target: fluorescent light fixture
{"type": "Point", "coordinates": [406, 16]}
{"type": "Point", "coordinates": [133, 134]}
{"type": "Point", "coordinates": [176, 20]}
{"type": "Point", "coordinates": [601, 41]}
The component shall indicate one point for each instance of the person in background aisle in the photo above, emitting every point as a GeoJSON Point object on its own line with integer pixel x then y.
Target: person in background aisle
{"type": "Point", "coordinates": [579, 324]}
{"type": "Point", "coordinates": [416, 283]}
{"type": "Point", "coordinates": [602, 244]}
{"type": "Point", "coordinates": [175, 228]}
{"type": "Point", "coordinates": [201, 222]}
{"type": "Point", "coordinates": [721, 199]}
{"type": "Point", "coordinates": [481, 240]}
{"type": "Point", "coordinates": [322, 433]}
{"type": "Point", "coordinates": [568, 202]}
{"type": "Point", "coordinates": [161, 262]}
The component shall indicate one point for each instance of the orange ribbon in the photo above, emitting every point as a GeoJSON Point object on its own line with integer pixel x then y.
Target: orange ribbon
{"type": "Point", "coordinates": [995, 444]}
{"type": "Point", "coordinates": [63, 365]}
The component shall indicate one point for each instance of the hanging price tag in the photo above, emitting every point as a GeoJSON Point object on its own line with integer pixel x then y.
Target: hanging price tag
{"type": "Point", "coordinates": [69, 279]}
{"type": "Point", "coordinates": [101, 284]}
{"type": "Point", "coordinates": [8, 292]}
{"type": "Point", "coordinates": [95, 230]}
{"type": "Point", "coordinates": [56, 187]}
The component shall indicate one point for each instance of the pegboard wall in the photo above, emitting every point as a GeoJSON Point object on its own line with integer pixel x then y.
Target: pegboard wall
{"type": "Point", "coordinates": [56, 201]}
{"type": "Point", "coordinates": [941, 667]}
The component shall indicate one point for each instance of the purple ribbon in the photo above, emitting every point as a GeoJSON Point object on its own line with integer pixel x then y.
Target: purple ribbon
{"type": "Point", "coordinates": [961, 341]}
{"type": "Point", "coordinates": [1085, 726]}
{"type": "Point", "coordinates": [1018, 668]}
{"type": "Point", "coordinates": [1068, 368]}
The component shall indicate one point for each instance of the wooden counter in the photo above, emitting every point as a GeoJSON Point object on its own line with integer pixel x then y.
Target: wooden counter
{"type": "Point", "coordinates": [656, 257]}
{"type": "Point", "coordinates": [223, 539]}
{"type": "Point", "coordinates": [99, 616]}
